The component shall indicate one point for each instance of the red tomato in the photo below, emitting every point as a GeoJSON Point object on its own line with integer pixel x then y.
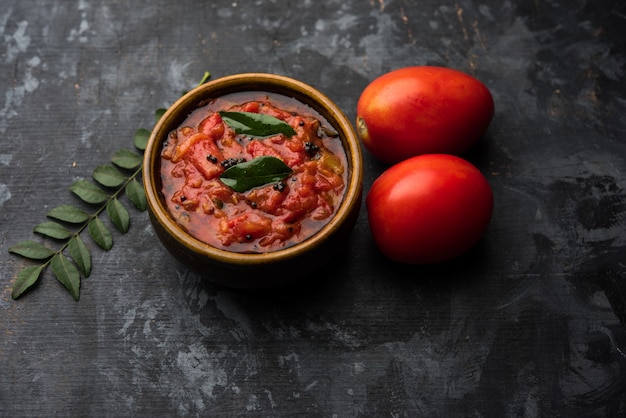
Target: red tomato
{"type": "Point", "coordinates": [422, 110]}
{"type": "Point", "coordinates": [429, 208]}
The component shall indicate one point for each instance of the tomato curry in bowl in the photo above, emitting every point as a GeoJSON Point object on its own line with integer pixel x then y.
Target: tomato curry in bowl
{"type": "Point", "coordinates": [253, 179]}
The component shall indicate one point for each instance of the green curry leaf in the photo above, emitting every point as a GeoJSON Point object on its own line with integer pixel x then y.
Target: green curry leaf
{"type": "Point", "coordinates": [140, 140]}
{"type": "Point", "coordinates": [53, 230]}
{"type": "Point", "coordinates": [159, 114]}
{"type": "Point", "coordinates": [257, 172]}
{"type": "Point", "coordinates": [27, 277]}
{"type": "Point", "coordinates": [136, 194]}
{"type": "Point", "coordinates": [67, 274]}
{"type": "Point", "coordinates": [126, 159]}
{"type": "Point", "coordinates": [100, 234]}
{"type": "Point", "coordinates": [68, 213]}
{"type": "Point", "coordinates": [257, 125]}
{"type": "Point", "coordinates": [80, 253]}
{"type": "Point", "coordinates": [88, 192]}
{"type": "Point", "coordinates": [32, 250]}
{"type": "Point", "coordinates": [119, 215]}
{"type": "Point", "coordinates": [108, 176]}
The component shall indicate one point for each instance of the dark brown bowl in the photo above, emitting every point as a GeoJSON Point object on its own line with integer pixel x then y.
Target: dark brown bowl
{"type": "Point", "coordinates": [256, 270]}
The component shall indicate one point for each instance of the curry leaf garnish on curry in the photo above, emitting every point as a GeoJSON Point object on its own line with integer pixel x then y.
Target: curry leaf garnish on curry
{"type": "Point", "coordinates": [257, 172]}
{"type": "Point", "coordinates": [257, 125]}
{"type": "Point", "coordinates": [72, 259]}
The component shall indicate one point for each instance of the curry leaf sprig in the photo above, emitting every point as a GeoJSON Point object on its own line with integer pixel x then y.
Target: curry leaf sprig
{"type": "Point", "coordinates": [72, 259]}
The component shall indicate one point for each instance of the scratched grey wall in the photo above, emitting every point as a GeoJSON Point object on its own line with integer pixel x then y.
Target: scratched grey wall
{"type": "Point", "coordinates": [531, 323]}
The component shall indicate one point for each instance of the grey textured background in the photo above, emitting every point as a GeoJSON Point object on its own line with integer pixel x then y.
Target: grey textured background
{"type": "Point", "coordinates": [530, 323]}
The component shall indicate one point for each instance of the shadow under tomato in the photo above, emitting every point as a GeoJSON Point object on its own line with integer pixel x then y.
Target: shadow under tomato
{"type": "Point", "coordinates": [486, 156]}
{"type": "Point", "coordinates": [460, 270]}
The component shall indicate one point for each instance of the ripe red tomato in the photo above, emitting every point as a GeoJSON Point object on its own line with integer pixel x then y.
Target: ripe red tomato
{"type": "Point", "coordinates": [422, 110]}
{"type": "Point", "coordinates": [429, 208]}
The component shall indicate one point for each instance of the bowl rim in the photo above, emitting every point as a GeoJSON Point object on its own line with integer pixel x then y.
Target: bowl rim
{"type": "Point", "coordinates": [271, 83]}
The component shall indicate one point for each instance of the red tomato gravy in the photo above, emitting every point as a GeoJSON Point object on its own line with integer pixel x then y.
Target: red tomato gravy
{"type": "Point", "coordinates": [265, 218]}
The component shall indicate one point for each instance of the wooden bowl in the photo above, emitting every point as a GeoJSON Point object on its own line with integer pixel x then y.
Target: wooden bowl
{"type": "Point", "coordinates": [254, 270]}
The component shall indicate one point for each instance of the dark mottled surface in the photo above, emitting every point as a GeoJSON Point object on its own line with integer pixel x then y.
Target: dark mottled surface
{"type": "Point", "coordinates": [530, 323]}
